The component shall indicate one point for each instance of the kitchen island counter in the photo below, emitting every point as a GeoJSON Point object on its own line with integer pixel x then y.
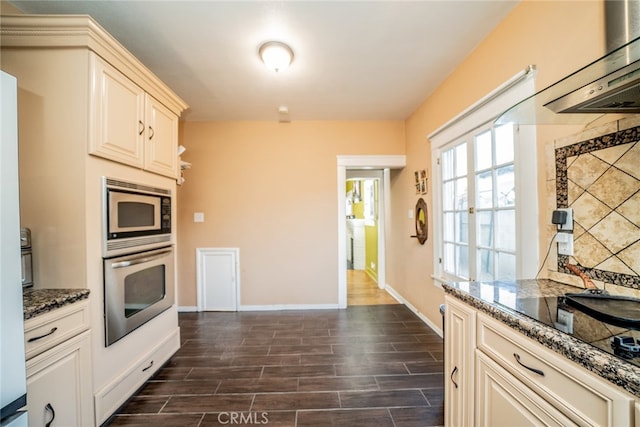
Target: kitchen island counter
{"type": "Point", "coordinates": [498, 300]}
{"type": "Point", "coordinates": [40, 301]}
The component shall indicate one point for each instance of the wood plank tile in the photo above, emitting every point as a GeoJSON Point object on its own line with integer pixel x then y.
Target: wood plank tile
{"type": "Point", "coordinates": [300, 349]}
{"type": "Point", "coordinates": [338, 384]}
{"type": "Point", "coordinates": [144, 405]}
{"type": "Point", "coordinates": [222, 373]}
{"type": "Point", "coordinates": [350, 418]}
{"type": "Point", "coordinates": [385, 398]}
{"type": "Point", "coordinates": [296, 366]}
{"type": "Point", "coordinates": [381, 368]}
{"type": "Point", "coordinates": [298, 371]}
{"type": "Point", "coordinates": [215, 403]}
{"type": "Point", "coordinates": [168, 388]}
{"type": "Point", "coordinates": [295, 401]}
{"type": "Point", "coordinates": [164, 420]}
{"type": "Point", "coordinates": [418, 416]}
{"type": "Point", "coordinates": [391, 382]}
{"type": "Point", "coordinates": [259, 385]}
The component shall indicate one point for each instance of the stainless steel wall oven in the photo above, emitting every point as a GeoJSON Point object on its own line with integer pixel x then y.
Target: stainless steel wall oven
{"type": "Point", "coordinates": [138, 258]}
{"type": "Point", "coordinates": [137, 287]}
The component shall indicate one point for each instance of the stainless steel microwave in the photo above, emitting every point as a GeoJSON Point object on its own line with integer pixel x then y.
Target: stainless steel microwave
{"type": "Point", "coordinates": [136, 217]}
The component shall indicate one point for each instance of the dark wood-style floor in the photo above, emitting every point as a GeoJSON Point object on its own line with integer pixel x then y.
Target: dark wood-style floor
{"type": "Point", "coordinates": [375, 365]}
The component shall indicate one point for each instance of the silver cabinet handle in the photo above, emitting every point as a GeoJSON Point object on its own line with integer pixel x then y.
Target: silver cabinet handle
{"type": "Point", "coordinates": [55, 328]}
{"type": "Point", "coordinates": [139, 260]}
{"type": "Point", "coordinates": [537, 371]}
{"type": "Point", "coordinates": [141, 127]}
{"type": "Point", "coordinates": [455, 369]}
{"type": "Point", "coordinates": [152, 133]}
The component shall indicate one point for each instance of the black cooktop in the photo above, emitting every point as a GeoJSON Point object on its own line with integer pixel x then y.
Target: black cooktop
{"type": "Point", "coordinates": [617, 332]}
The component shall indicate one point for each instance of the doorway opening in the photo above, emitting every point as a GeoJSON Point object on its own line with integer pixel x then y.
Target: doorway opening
{"type": "Point", "coordinates": [363, 191]}
{"type": "Point", "coordinates": [372, 169]}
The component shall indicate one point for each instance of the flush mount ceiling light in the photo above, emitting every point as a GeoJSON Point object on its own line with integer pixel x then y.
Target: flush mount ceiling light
{"type": "Point", "coordinates": [276, 55]}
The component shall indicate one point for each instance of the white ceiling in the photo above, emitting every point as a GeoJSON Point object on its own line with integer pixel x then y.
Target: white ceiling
{"type": "Point", "coordinates": [354, 60]}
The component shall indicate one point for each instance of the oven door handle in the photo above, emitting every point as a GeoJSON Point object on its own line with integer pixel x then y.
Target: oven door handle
{"type": "Point", "coordinates": [140, 260]}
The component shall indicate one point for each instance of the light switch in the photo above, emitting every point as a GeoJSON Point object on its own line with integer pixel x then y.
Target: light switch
{"type": "Point", "coordinates": [198, 217]}
{"type": "Point", "coordinates": [410, 214]}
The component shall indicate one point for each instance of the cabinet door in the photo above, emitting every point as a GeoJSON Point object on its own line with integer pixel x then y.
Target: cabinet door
{"type": "Point", "coordinates": [502, 400]}
{"type": "Point", "coordinates": [459, 338]}
{"type": "Point", "coordinates": [161, 140]}
{"type": "Point", "coordinates": [117, 115]}
{"type": "Point", "coordinates": [59, 385]}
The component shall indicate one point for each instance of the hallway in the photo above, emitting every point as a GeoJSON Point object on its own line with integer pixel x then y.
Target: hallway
{"type": "Point", "coordinates": [363, 366]}
{"type": "Point", "coordinates": [362, 290]}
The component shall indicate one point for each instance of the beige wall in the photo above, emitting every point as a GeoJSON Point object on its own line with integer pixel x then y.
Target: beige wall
{"type": "Point", "coordinates": [558, 37]}
{"type": "Point", "coordinates": [270, 189]}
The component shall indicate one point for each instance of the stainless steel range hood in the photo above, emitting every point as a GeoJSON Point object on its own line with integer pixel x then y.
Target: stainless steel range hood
{"type": "Point", "coordinates": [608, 85]}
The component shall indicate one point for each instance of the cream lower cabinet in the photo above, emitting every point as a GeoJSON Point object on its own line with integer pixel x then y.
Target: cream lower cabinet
{"type": "Point", "coordinates": [460, 337]}
{"type": "Point", "coordinates": [59, 375]}
{"type": "Point", "coordinates": [128, 125]}
{"type": "Point", "coordinates": [516, 381]}
{"type": "Point", "coordinates": [59, 385]}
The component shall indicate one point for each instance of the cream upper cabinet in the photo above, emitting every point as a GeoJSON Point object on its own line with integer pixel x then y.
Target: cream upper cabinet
{"type": "Point", "coordinates": [460, 336]}
{"type": "Point", "coordinates": [128, 125]}
{"type": "Point", "coordinates": [161, 139]}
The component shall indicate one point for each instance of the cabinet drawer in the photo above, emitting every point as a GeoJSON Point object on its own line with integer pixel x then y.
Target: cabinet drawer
{"type": "Point", "coordinates": [505, 401]}
{"type": "Point", "coordinates": [114, 394]}
{"type": "Point", "coordinates": [50, 329]}
{"type": "Point", "coordinates": [582, 397]}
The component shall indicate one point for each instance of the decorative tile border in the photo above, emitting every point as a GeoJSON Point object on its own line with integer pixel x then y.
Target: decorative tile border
{"type": "Point", "coordinates": [626, 136]}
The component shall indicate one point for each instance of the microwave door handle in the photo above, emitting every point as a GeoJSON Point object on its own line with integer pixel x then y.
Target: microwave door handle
{"type": "Point", "coordinates": [140, 260]}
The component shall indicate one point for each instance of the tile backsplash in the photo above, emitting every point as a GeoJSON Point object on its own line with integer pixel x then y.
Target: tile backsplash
{"type": "Point", "coordinates": [599, 178]}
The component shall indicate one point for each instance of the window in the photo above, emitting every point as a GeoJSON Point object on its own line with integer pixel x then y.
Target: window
{"type": "Point", "coordinates": [485, 182]}
{"type": "Point", "coordinates": [478, 205]}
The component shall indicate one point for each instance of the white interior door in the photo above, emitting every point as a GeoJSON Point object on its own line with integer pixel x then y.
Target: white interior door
{"type": "Point", "coordinates": [218, 279]}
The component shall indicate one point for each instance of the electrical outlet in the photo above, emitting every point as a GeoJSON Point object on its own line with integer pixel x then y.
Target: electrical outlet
{"type": "Point", "coordinates": [565, 321]}
{"type": "Point", "coordinates": [198, 217]}
{"type": "Point", "coordinates": [565, 244]}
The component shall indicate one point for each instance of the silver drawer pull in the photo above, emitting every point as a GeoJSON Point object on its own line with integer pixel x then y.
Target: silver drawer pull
{"type": "Point", "coordinates": [537, 371]}
{"type": "Point", "coordinates": [55, 328]}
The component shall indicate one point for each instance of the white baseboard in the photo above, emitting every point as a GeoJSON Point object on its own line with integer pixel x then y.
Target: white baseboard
{"type": "Point", "coordinates": [187, 309]}
{"type": "Point", "coordinates": [287, 307]}
{"type": "Point", "coordinates": [422, 317]}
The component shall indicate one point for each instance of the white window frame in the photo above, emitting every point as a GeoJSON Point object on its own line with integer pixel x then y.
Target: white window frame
{"type": "Point", "coordinates": [482, 114]}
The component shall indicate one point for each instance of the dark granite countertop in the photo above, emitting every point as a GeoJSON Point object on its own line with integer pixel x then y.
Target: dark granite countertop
{"type": "Point", "coordinates": [497, 299]}
{"type": "Point", "coordinates": [40, 301]}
